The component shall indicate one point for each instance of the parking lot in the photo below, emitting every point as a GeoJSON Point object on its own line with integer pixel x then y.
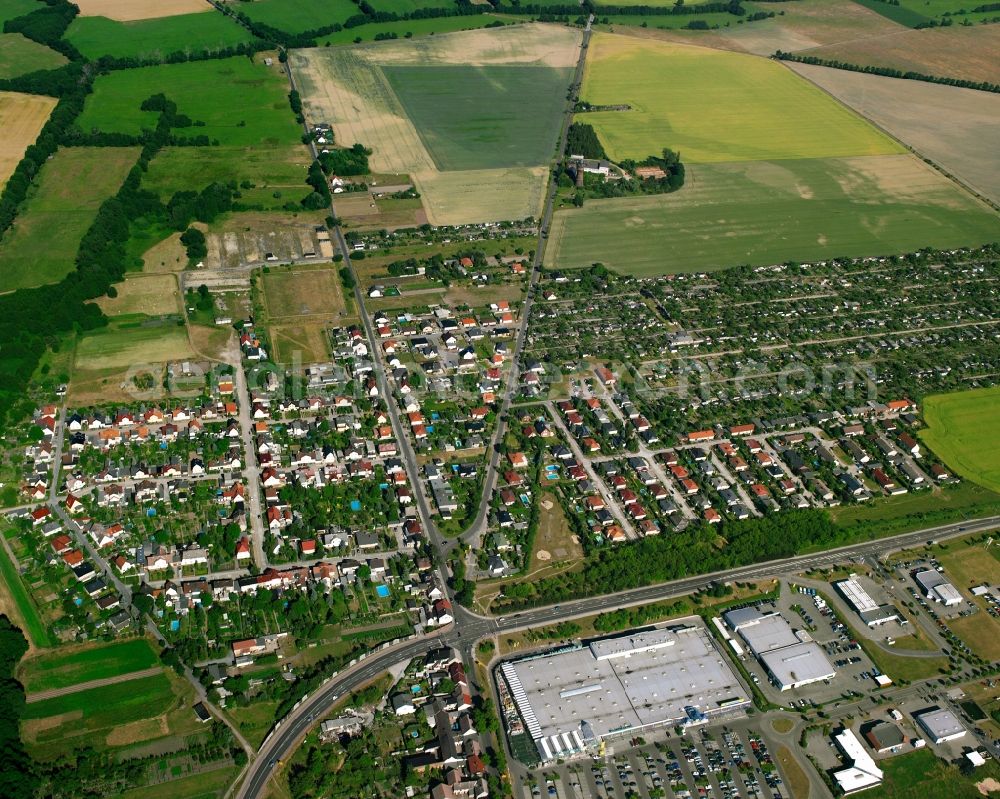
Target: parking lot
{"type": "Point", "coordinates": [722, 763]}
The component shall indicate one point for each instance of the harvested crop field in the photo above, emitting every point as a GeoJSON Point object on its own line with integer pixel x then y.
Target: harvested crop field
{"type": "Point", "coordinates": [963, 52]}
{"type": "Point", "coordinates": [803, 24]}
{"type": "Point", "coordinates": [151, 295]}
{"type": "Point", "coordinates": [714, 106]}
{"type": "Point", "coordinates": [471, 116]}
{"type": "Point", "coordinates": [913, 111]}
{"type": "Point", "coordinates": [19, 56]}
{"type": "Point", "coordinates": [22, 116]}
{"type": "Point", "coordinates": [128, 10]}
{"type": "Point", "coordinates": [760, 213]}
{"type": "Point", "coordinates": [41, 247]}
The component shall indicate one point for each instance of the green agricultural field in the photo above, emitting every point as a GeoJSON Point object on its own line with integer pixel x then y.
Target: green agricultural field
{"type": "Point", "coordinates": [483, 117]}
{"type": "Point", "coordinates": [14, 586]}
{"type": "Point", "coordinates": [242, 103]}
{"type": "Point", "coordinates": [65, 667]}
{"type": "Point", "coordinates": [271, 170]}
{"type": "Point", "coordinates": [19, 56]}
{"type": "Point", "coordinates": [296, 16]}
{"type": "Point", "coordinates": [155, 38]}
{"type": "Point", "coordinates": [921, 12]}
{"type": "Point", "coordinates": [963, 429]}
{"type": "Point", "coordinates": [42, 245]}
{"type": "Point", "coordinates": [409, 6]}
{"type": "Point", "coordinates": [714, 106]}
{"type": "Point", "coordinates": [415, 27]}
{"type": "Point", "coordinates": [11, 9]}
{"type": "Point", "coordinates": [118, 703]}
{"type": "Point", "coordinates": [121, 346]}
{"type": "Point", "coordinates": [767, 212]}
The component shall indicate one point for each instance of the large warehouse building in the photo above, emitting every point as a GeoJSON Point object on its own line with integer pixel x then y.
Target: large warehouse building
{"type": "Point", "coordinates": [937, 588]}
{"type": "Point", "coordinates": [571, 700]}
{"type": "Point", "coordinates": [792, 659]}
{"type": "Point", "coordinates": [870, 611]}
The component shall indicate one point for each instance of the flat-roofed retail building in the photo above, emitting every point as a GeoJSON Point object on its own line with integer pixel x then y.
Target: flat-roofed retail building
{"type": "Point", "coordinates": [572, 699]}
{"type": "Point", "coordinates": [792, 659]}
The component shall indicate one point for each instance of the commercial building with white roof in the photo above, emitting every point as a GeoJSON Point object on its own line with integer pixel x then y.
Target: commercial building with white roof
{"type": "Point", "coordinates": [940, 725]}
{"type": "Point", "coordinates": [863, 772]}
{"type": "Point", "coordinates": [936, 587]}
{"type": "Point", "coordinates": [572, 699]}
{"type": "Point", "coordinates": [870, 611]}
{"type": "Point", "coordinates": [792, 659]}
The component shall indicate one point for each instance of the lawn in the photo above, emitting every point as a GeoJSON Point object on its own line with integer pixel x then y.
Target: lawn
{"type": "Point", "coordinates": [761, 213]}
{"type": "Point", "coordinates": [42, 245]}
{"type": "Point", "coordinates": [19, 55]}
{"type": "Point", "coordinates": [14, 586]}
{"type": "Point", "coordinates": [296, 16]}
{"type": "Point", "coordinates": [921, 775]}
{"type": "Point", "coordinates": [483, 117]}
{"type": "Point", "coordinates": [714, 106]}
{"type": "Point", "coordinates": [242, 103]}
{"type": "Point", "coordinates": [958, 500]}
{"type": "Point", "coordinates": [155, 38]}
{"type": "Point", "coordinates": [124, 346]}
{"type": "Point", "coordinates": [963, 429]}
{"type": "Point", "coordinates": [302, 291]}
{"type": "Point", "coordinates": [74, 665]}
{"type": "Point", "coordinates": [798, 781]}
{"type": "Point", "coordinates": [203, 785]}
{"type": "Point", "coordinates": [151, 295]}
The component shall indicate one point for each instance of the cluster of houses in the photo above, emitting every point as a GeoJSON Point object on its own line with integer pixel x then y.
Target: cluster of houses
{"type": "Point", "coordinates": [455, 748]}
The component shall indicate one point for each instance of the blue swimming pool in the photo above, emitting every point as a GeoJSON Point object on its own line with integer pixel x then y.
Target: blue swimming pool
{"type": "Point", "coordinates": [382, 590]}
{"type": "Point", "coordinates": [355, 504]}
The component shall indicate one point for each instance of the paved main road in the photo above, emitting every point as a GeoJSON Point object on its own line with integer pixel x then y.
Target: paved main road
{"type": "Point", "coordinates": [469, 627]}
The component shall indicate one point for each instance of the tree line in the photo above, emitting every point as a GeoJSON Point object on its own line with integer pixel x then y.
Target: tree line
{"type": "Point", "coordinates": [889, 72]}
{"type": "Point", "coordinates": [733, 7]}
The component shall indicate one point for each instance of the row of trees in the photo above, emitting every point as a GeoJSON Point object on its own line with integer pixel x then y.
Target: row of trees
{"type": "Point", "coordinates": [889, 72]}
{"type": "Point", "coordinates": [733, 7]}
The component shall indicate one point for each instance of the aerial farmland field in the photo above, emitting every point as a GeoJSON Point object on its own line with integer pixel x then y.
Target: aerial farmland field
{"type": "Point", "coordinates": [472, 117]}
{"type": "Point", "coordinates": [765, 212]}
{"type": "Point", "coordinates": [11, 9]}
{"type": "Point", "coordinates": [958, 51]}
{"type": "Point", "coordinates": [129, 10]}
{"type": "Point", "coordinates": [22, 117]}
{"type": "Point", "coordinates": [241, 103]}
{"type": "Point", "coordinates": [912, 112]}
{"type": "Point", "coordinates": [41, 246]}
{"type": "Point", "coordinates": [714, 106]}
{"type": "Point", "coordinates": [964, 430]}
{"type": "Point", "coordinates": [19, 55]}
{"type": "Point", "coordinates": [155, 38]}
{"type": "Point", "coordinates": [296, 16]}
{"type": "Point", "coordinates": [919, 12]}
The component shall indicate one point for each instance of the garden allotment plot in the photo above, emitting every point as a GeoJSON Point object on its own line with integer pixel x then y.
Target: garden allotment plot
{"type": "Point", "coordinates": [777, 170]}
{"type": "Point", "coordinates": [473, 117]}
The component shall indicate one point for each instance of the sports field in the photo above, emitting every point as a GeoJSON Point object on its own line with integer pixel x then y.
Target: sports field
{"type": "Point", "coordinates": [714, 106]}
{"type": "Point", "coordinates": [963, 429]}
{"type": "Point", "coordinates": [296, 16]}
{"type": "Point", "coordinates": [19, 56]}
{"type": "Point", "coordinates": [765, 212]}
{"type": "Point", "coordinates": [957, 51]}
{"type": "Point", "coordinates": [912, 112]}
{"type": "Point", "coordinates": [483, 117]}
{"type": "Point", "coordinates": [155, 38]}
{"type": "Point", "coordinates": [74, 665]}
{"type": "Point", "coordinates": [41, 246]}
{"type": "Point", "coordinates": [128, 10]}
{"type": "Point", "coordinates": [22, 116]}
{"type": "Point", "coordinates": [472, 117]}
{"type": "Point", "coordinates": [242, 103]}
